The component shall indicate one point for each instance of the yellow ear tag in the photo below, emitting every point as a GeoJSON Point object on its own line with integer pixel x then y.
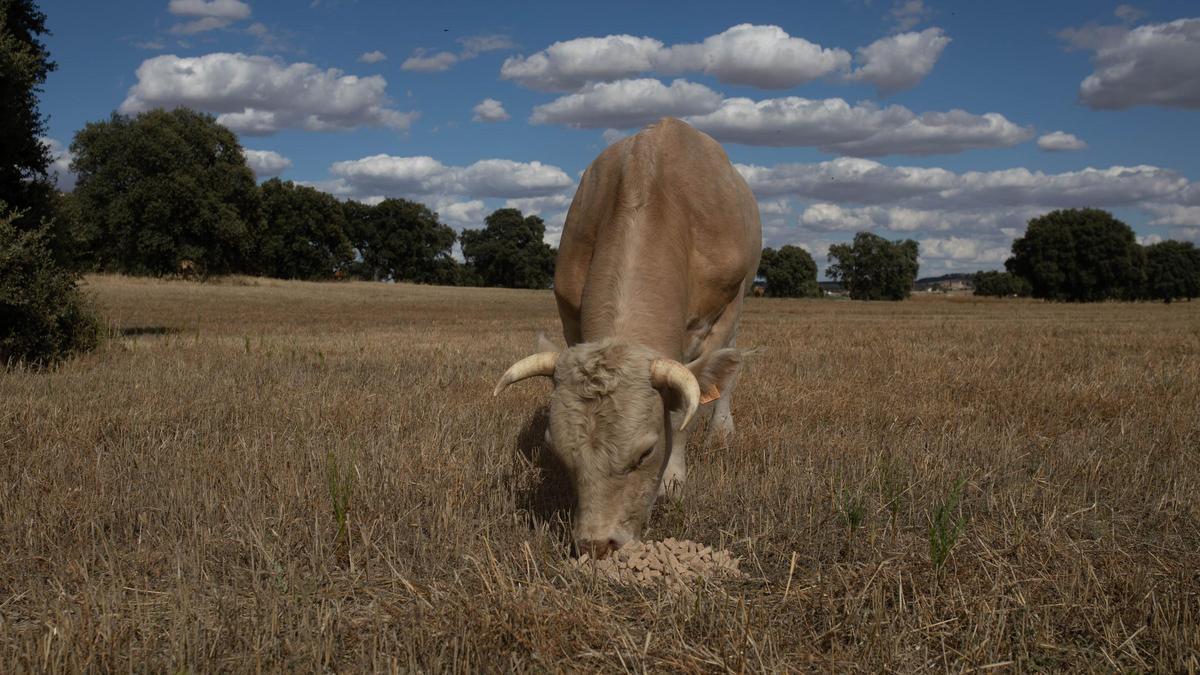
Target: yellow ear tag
{"type": "Point", "coordinates": [709, 395]}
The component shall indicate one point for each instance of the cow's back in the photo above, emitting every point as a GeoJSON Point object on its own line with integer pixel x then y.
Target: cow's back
{"type": "Point", "coordinates": [663, 230]}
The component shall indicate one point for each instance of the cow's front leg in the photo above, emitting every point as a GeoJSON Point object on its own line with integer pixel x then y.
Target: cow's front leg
{"type": "Point", "coordinates": [676, 472]}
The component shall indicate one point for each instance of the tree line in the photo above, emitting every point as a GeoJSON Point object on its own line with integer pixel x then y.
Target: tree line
{"type": "Point", "coordinates": [869, 268]}
{"type": "Point", "coordinates": [164, 192]}
{"type": "Point", "coordinates": [1087, 255]}
{"type": "Point", "coordinates": [1071, 255]}
{"type": "Point", "coordinates": [169, 188]}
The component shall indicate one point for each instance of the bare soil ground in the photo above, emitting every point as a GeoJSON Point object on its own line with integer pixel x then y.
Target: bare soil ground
{"type": "Point", "coordinates": [287, 476]}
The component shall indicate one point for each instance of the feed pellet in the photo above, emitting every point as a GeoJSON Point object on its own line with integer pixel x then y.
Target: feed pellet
{"type": "Point", "coordinates": [672, 562]}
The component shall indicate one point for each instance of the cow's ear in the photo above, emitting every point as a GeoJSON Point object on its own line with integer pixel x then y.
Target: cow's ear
{"type": "Point", "coordinates": [715, 371]}
{"type": "Point", "coordinates": [545, 345]}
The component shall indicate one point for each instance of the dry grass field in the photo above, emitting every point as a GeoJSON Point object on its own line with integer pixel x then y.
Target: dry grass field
{"type": "Point", "coordinates": [265, 475]}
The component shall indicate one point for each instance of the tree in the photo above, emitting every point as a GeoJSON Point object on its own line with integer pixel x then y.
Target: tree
{"type": "Point", "coordinates": [405, 241]}
{"type": "Point", "coordinates": [999, 284]}
{"type": "Point", "coordinates": [43, 315]}
{"type": "Point", "coordinates": [872, 268]}
{"type": "Point", "coordinates": [509, 251]}
{"type": "Point", "coordinates": [1172, 270]}
{"type": "Point", "coordinates": [164, 187]}
{"type": "Point", "coordinates": [305, 232]}
{"type": "Point", "coordinates": [359, 231]}
{"type": "Point", "coordinates": [24, 160]}
{"type": "Point", "coordinates": [790, 272]}
{"type": "Point", "coordinates": [1078, 255]}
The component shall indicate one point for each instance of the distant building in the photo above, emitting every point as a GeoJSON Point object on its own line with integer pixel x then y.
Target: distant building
{"type": "Point", "coordinates": [946, 283]}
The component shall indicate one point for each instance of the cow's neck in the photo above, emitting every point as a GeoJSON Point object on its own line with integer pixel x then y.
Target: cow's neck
{"type": "Point", "coordinates": [637, 291]}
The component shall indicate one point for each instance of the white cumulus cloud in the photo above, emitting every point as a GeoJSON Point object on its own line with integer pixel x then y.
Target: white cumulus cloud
{"type": "Point", "coordinates": [1154, 64]}
{"type": "Point", "coordinates": [434, 63]}
{"type": "Point", "coordinates": [461, 214]}
{"type": "Point", "coordinates": [424, 61]}
{"type": "Point", "coordinates": [967, 249]}
{"type": "Point", "coordinates": [1060, 141]}
{"type": "Point", "coordinates": [627, 103]}
{"type": "Point", "coordinates": [221, 9]}
{"type": "Point", "coordinates": [261, 95]}
{"type": "Point", "coordinates": [540, 205]}
{"type": "Point", "coordinates": [209, 14]}
{"type": "Point", "coordinates": [565, 66]}
{"type": "Point", "coordinates": [266, 163]}
{"type": "Point", "coordinates": [489, 110]}
{"type": "Point", "coordinates": [372, 57]}
{"type": "Point", "coordinates": [756, 55]}
{"type": "Point", "coordinates": [963, 221]}
{"type": "Point", "coordinates": [474, 45]}
{"type": "Point", "coordinates": [1175, 214]}
{"type": "Point", "coordinates": [899, 61]}
{"type": "Point", "coordinates": [774, 207]}
{"type": "Point", "coordinates": [864, 181]}
{"type": "Point", "coordinates": [864, 129]}
{"type": "Point", "coordinates": [397, 176]}
{"type": "Point", "coordinates": [827, 217]}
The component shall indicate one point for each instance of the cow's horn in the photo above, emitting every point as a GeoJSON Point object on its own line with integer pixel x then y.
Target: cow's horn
{"type": "Point", "coordinates": [667, 373]}
{"type": "Point", "coordinates": [530, 366]}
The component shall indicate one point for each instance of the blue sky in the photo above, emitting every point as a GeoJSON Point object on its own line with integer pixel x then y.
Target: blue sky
{"type": "Point", "coordinates": [925, 120]}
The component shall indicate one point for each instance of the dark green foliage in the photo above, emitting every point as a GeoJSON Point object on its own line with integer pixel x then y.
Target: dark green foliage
{"type": "Point", "coordinates": [790, 273]}
{"type": "Point", "coordinates": [873, 268]}
{"type": "Point", "coordinates": [1078, 255]}
{"type": "Point", "coordinates": [305, 234]}
{"type": "Point", "coordinates": [1172, 270]}
{"type": "Point", "coordinates": [402, 240]}
{"type": "Point", "coordinates": [43, 315]}
{"type": "Point", "coordinates": [164, 187]}
{"type": "Point", "coordinates": [1000, 284]}
{"type": "Point", "coordinates": [68, 232]}
{"type": "Point", "coordinates": [509, 252]}
{"type": "Point", "coordinates": [366, 264]}
{"type": "Point", "coordinates": [24, 160]}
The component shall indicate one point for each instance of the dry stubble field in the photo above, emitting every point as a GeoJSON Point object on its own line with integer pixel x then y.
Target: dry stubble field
{"type": "Point", "coordinates": [171, 501]}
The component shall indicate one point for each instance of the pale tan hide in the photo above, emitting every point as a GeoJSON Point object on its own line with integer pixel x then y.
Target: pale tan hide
{"type": "Point", "coordinates": [660, 245]}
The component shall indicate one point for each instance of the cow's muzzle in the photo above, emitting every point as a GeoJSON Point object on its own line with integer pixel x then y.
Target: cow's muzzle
{"type": "Point", "coordinates": [597, 548]}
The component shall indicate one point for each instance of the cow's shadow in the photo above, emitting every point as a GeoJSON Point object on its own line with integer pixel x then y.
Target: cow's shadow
{"type": "Point", "coordinates": [548, 498]}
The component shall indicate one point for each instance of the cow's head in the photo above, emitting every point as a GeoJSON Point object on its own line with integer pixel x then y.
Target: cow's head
{"type": "Point", "coordinates": [613, 412]}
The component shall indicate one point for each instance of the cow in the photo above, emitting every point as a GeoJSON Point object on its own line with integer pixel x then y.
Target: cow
{"type": "Point", "coordinates": [660, 244]}
{"type": "Point", "coordinates": [187, 269]}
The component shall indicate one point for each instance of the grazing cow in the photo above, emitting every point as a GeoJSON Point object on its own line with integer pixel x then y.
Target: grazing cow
{"type": "Point", "coordinates": [661, 243]}
{"type": "Point", "coordinates": [187, 269]}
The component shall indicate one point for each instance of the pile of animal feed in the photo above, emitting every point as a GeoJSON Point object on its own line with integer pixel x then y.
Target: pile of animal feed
{"type": "Point", "coordinates": [671, 562]}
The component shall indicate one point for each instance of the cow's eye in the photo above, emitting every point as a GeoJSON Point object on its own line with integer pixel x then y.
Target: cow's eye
{"type": "Point", "coordinates": [642, 458]}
